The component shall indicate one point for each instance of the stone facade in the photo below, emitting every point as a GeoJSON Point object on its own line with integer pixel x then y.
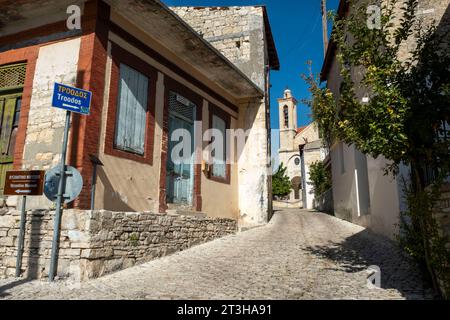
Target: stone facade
{"type": "Point", "coordinates": [95, 243]}
{"type": "Point", "coordinates": [56, 63]}
{"type": "Point", "coordinates": [237, 32]}
{"type": "Point", "coordinates": [240, 34]}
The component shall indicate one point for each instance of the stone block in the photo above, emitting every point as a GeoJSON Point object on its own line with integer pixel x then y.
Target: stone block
{"type": "Point", "coordinates": [78, 236]}
{"type": "Point", "coordinates": [94, 268]}
{"type": "Point", "coordinates": [80, 245]}
{"type": "Point", "coordinates": [12, 201]}
{"type": "Point", "coordinates": [100, 253]}
{"type": "Point", "coordinates": [128, 262]}
{"type": "Point", "coordinates": [7, 221]}
{"type": "Point", "coordinates": [7, 241]}
{"type": "Point", "coordinates": [70, 252]}
{"type": "Point", "coordinates": [113, 265]}
{"type": "Point", "coordinates": [9, 262]}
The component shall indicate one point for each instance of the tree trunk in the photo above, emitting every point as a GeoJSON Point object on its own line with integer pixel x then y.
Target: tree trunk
{"type": "Point", "coordinates": [423, 222]}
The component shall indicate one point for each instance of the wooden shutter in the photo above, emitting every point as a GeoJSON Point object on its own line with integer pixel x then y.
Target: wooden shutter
{"type": "Point", "coordinates": [132, 110]}
{"type": "Point", "coordinates": [219, 165]}
{"type": "Point", "coordinates": [6, 128]}
{"type": "Point", "coordinates": [7, 139]}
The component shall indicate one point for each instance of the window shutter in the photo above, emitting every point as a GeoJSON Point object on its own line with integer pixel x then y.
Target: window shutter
{"type": "Point", "coordinates": [219, 165]}
{"type": "Point", "coordinates": [132, 110]}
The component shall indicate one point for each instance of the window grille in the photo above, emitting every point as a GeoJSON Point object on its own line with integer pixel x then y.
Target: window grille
{"type": "Point", "coordinates": [181, 106]}
{"type": "Point", "coordinates": [12, 76]}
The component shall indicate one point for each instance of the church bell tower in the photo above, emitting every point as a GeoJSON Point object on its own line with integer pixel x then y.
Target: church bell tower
{"type": "Point", "coordinates": [287, 107]}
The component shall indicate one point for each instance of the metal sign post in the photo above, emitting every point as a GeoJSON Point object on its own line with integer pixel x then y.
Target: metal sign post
{"type": "Point", "coordinates": [59, 200]}
{"type": "Point", "coordinates": [23, 221]}
{"type": "Point", "coordinates": [25, 183]}
{"type": "Point", "coordinates": [72, 100]}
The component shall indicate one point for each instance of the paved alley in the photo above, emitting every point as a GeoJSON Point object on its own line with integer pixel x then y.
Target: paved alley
{"type": "Point", "coordinates": [298, 255]}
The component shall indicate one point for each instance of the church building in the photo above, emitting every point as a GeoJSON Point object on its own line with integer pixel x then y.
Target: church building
{"type": "Point", "coordinates": [299, 148]}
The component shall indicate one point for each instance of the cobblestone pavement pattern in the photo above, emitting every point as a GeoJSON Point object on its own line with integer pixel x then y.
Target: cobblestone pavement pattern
{"type": "Point", "coordinates": [298, 255]}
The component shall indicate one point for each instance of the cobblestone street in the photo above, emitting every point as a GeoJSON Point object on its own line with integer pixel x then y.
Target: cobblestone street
{"type": "Point", "coordinates": [298, 255]}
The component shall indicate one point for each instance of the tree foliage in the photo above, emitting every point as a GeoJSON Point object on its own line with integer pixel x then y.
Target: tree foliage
{"type": "Point", "coordinates": [281, 186]}
{"type": "Point", "coordinates": [408, 93]}
{"type": "Point", "coordinates": [319, 178]}
{"type": "Point", "coordinates": [402, 69]}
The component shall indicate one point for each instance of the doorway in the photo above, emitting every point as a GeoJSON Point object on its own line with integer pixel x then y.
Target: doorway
{"type": "Point", "coordinates": [180, 165]}
{"type": "Point", "coordinates": [12, 79]}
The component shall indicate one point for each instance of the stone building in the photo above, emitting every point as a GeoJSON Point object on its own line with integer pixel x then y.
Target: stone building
{"type": "Point", "coordinates": [362, 193]}
{"type": "Point", "coordinates": [200, 69]}
{"type": "Point", "coordinates": [243, 35]}
{"type": "Point", "coordinates": [299, 148]}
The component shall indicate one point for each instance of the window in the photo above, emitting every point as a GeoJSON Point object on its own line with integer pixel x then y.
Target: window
{"type": "Point", "coordinates": [131, 110]}
{"type": "Point", "coordinates": [15, 126]}
{"type": "Point", "coordinates": [286, 116]}
{"type": "Point", "coordinates": [220, 170]}
{"type": "Point", "coordinates": [219, 160]}
{"type": "Point", "coordinates": [130, 125]}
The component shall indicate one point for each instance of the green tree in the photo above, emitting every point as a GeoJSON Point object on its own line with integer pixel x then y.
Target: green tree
{"type": "Point", "coordinates": [319, 178]}
{"type": "Point", "coordinates": [402, 117]}
{"type": "Point", "coordinates": [281, 186]}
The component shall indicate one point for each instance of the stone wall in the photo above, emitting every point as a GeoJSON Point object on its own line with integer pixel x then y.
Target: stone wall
{"type": "Point", "coordinates": [237, 32]}
{"type": "Point", "coordinates": [95, 243]}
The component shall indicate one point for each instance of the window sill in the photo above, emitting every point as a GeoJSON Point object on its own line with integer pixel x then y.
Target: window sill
{"type": "Point", "coordinates": [225, 180]}
{"type": "Point", "coordinates": [119, 153]}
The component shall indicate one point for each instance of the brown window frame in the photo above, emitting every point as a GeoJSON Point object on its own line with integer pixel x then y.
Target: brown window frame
{"type": "Point", "coordinates": [121, 56]}
{"type": "Point", "coordinates": [215, 110]}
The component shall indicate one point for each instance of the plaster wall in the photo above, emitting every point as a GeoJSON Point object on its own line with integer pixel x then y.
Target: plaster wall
{"type": "Point", "coordinates": [56, 62]}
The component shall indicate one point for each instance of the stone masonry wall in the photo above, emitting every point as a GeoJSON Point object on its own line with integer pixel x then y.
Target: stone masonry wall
{"type": "Point", "coordinates": [57, 62]}
{"type": "Point", "coordinates": [237, 32]}
{"type": "Point", "coordinates": [95, 243]}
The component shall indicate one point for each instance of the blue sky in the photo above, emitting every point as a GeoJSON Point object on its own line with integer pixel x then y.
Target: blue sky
{"type": "Point", "coordinates": [297, 30]}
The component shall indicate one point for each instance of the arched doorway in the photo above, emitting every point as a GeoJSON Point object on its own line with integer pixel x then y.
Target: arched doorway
{"type": "Point", "coordinates": [296, 184]}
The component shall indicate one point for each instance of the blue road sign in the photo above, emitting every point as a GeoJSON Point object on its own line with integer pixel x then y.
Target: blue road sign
{"type": "Point", "coordinates": [71, 99]}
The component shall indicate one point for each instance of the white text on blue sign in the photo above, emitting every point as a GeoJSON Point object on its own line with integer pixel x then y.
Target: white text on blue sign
{"type": "Point", "coordinates": [71, 99]}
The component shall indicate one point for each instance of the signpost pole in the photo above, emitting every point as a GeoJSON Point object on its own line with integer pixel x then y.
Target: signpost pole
{"type": "Point", "coordinates": [23, 219]}
{"type": "Point", "coordinates": [59, 200]}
